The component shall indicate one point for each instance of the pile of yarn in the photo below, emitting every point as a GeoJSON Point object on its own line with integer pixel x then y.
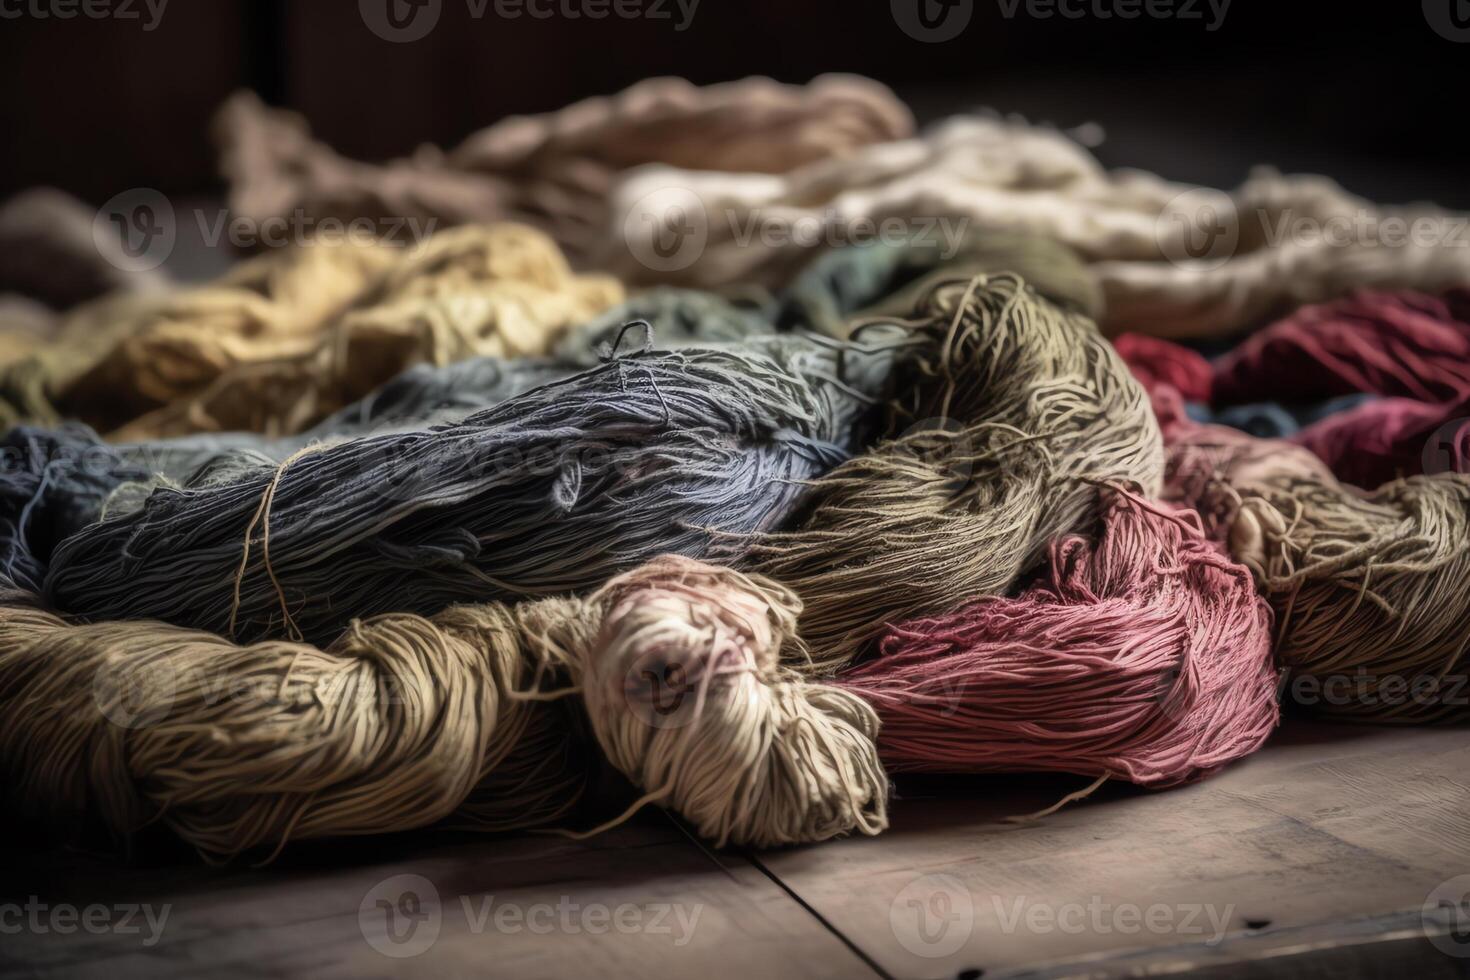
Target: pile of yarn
{"type": "Point", "coordinates": [381, 535]}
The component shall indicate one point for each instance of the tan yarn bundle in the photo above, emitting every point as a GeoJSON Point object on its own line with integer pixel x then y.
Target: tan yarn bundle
{"type": "Point", "coordinates": [288, 338]}
{"type": "Point", "coordinates": [554, 170]}
{"type": "Point", "coordinates": [1172, 259]}
{"type": "Point", "coordinates": [1018, 411]}
{"type": "Point", "coordinates": [1369, 588]}
{"type": "Point", "coordinates": [405, 721]}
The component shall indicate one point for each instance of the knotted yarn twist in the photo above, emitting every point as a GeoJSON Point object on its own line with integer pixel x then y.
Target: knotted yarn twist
{"type": "Point", "coordinates": [405, 721]}
{"type": "Point", "coordinates": [1009, 414]}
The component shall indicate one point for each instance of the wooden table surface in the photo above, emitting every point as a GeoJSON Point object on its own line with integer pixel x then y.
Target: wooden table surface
{"type": "Point", "coordinates": [1336, 851]}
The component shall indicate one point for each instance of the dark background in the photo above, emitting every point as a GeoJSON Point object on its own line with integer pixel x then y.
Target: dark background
{"type": "Point", "coordinates": [1368, 93]}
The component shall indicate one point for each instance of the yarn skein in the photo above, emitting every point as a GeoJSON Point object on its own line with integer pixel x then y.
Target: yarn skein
{"type": "Point", "coordinates": [1389, 438]}
{"type": "Point", "coordinates": [1408, 345]}
{"type": "Point", "coordinates": [553, 170]}
{"type": "Point", "coordinates": [1011, 413]}
{"type": "Point", "coordinates": [1144, 655]}
{"type": "Point", "coordinates": [1368, 587]}
{"type": "Point", "coordinates": [1139, 233]}
{"type": "Point", "coordinates": [402, 719]}
{"type": "Point", "coordinates": [551, 492]}
{"type": "Point", "coordinates": [52, 484]}
{"type": "Point", "coordinates": [288, 338]}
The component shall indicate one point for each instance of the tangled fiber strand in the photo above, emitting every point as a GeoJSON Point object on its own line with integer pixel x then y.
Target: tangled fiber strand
{"type": "Point", "coordinates": [1143, 655]}
{"type": "Point", "coordinates": [888, 279]}
{"type": "Point", "coordinates": [1136, 230]}
{"type": "Point", "coordinates": [1368, 587]}
{"type": "Point", "coordinates": [286, 339]}
{"type": "Point", "coordinates": [123, 355]}
{"type": "Point", "coordinates": [552, 492]}
{"type": "Point", "coordinates": [403, 721]}
{"type": "Point", "coordinates": [1013, 410]}
{"type": "Point", "coordinates": [426, 393]}
{"type": "Point", "coordinates": [554, 170]}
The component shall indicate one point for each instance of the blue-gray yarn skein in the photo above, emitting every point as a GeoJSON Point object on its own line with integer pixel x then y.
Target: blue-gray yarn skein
{"type": "Point", "coordinates": [551, 492]}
